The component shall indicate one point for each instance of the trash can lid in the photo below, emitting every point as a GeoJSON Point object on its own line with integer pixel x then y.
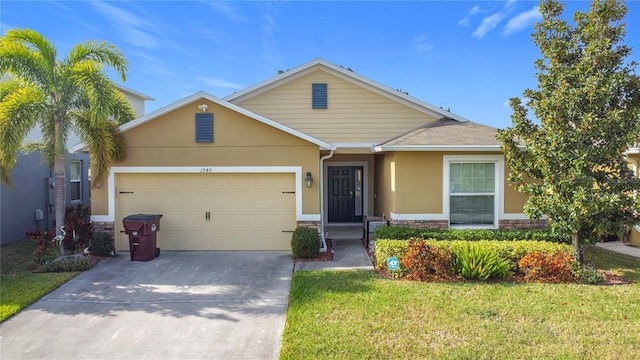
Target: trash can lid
{"type": "Point", "coordinates": [143, 217]}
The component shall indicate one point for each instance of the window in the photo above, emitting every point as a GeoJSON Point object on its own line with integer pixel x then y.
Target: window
{"type": "Point", "coordinates": [75, 179]}
{"type": "Point", "coordinates": [473, 185]}
{"type": "Point", "coordinates": [204, 128]}
{"type": "Point", "coordinates": [319, 96]}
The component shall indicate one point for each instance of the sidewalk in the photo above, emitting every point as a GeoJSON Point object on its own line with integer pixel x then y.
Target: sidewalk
{"type": "Point", "coordinates": [348, 254]}
{"type": "Point", "coordinates": [620, 247]}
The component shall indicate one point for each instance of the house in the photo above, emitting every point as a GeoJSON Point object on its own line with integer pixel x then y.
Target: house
{"type": "Point", "coordinates": [29, 205]}
{"type": "Point", "coordinates": [313, 146]}
{"type": "Point", "coordinates": [633, 158]}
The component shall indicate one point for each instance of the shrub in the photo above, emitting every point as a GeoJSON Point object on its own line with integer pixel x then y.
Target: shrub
{"type": "Point", "coordinates": [391, 248]}
{"type": "Point", "coordinates": [479, 263]}
{"type": "Point", "coordinates": [305, 243]}
{"type": "Point", "coordinates": [76, 263]}
{"type": "Point", "coordinates": [512, 251]}
{"type": "Point", "coordinates": [554, 267]}
{"type": "Point", "coordinates": [586, 274]}
{"type": "Point", "coordinates": [405, 233]}
{"type": "Point", "coordinates": [428, 262]}
{"type": "Point", "coordinates": [46, 247]}
{"type": "Point", "coordinates": [101, 244]}
{"type": "Point", "coordinates": [77, 220]}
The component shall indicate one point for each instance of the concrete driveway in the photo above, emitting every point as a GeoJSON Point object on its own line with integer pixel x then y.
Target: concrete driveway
{"type": "Point", "coordinates": [182, 305]}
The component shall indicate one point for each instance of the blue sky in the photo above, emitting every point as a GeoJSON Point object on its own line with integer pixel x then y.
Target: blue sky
{"type": "Point", "coordinates": [469, 56]}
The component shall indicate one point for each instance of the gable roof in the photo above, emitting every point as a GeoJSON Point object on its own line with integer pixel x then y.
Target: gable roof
{"type": "Point", "coordinates": [345, 74]}
{"type": "Point", "coordinates": [204, 95]}
{"type": "Point", "coordinates": [137, 94]}
{"type": "Point", "coordinates": [443, 135]}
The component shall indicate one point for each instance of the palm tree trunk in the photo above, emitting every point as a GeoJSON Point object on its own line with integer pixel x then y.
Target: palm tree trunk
{"type": "Point", "coordinates": [59, 176]}
{"type": "Point", "coordinates": [60, 194]}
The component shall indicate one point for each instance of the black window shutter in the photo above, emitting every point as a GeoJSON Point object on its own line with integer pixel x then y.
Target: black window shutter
{"type": "Point", "coordinates": [204, 128]}
{"type": "Point", "coordinates": [319, 96]}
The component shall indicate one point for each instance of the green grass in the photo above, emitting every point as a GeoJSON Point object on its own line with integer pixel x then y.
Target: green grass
{"type": "Point", "coordinates": [360, 315]}
{"type": "Point", "coordinates": [19, 287]}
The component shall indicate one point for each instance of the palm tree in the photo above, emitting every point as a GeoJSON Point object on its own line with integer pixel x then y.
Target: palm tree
{"type": "Point", "coordinates": [60, 96]}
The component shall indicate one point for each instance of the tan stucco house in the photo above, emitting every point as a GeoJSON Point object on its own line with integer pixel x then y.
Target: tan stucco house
{"type": "Point", "coordinates": [315, 145]}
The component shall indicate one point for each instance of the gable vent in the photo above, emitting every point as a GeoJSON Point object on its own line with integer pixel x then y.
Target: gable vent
{"type": "Point", "coordinates": [319, 96]}
{"type": "Point", "coordinates": [204, 128]}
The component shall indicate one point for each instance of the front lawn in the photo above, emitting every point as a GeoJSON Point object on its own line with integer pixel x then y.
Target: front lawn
{"type": "Point", "coordinates": [360, 315]}
{"type": "Point", "coordinates": [19, 287]}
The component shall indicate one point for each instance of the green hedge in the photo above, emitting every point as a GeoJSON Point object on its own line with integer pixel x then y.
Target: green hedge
{"type": "Point", "coordinates": [405, 233]}
{"type": "Point", "coordinates": [509, 250]}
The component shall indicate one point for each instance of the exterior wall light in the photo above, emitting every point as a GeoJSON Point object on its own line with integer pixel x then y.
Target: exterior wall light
{"type": "Point", "coordinates": [308, 179]}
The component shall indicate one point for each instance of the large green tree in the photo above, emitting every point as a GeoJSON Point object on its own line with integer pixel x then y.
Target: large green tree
{"type": "Point", "coordinates": [570, 158]}
{"type": "Point", "coordinates": [60, 96]}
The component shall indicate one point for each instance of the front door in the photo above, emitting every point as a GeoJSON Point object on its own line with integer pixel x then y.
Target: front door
{"type": "Point", "coordinates": [345, 194]}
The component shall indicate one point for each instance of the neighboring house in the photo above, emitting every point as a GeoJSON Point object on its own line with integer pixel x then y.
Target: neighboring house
{"type": "Point", "coordinates": [29, 205]}
{"type": "Point", "coordinates": [633, 157]}
{"type": "Point", "coordinates": [315, 145]}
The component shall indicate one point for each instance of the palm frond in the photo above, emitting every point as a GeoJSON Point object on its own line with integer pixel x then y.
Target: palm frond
{"type": "Point", "coordinates": [27, 55]}
{"type": "Point", "coordinates": [20, 109]}
{"type": "Point", "coordinates": [102, 53]}
{"type": "Point", "coordinates": [106, 144]}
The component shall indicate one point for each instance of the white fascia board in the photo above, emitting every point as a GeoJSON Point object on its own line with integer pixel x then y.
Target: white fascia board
{"type": "Point", "coordinates": [352, 145]}
{"type": "Point", "coordinates": [205, 170]}
{"type": "Point", "coordinates": [133, 92]}
{"type": "Point", "coordinates": [437, 148]}
{"type": "Point", "coordinates": [632, 151]}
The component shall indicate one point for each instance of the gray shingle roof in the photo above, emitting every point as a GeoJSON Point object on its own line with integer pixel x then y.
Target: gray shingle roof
{"type": "Point", "coordinates": [447, 132]}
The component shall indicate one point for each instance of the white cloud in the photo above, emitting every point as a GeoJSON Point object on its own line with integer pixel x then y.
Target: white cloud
{"type": "Point", "coordinates": [221, 83]}
{"type": "Point", "coordinates": [225, 9]}
{"type": "Point", "coordinates": [467, 19]}
{"type": "Point", "coordinates": [135, 29]}
{"type": "Point", "coordinates": [421, 43]}
{"type": "Point", "coordinates": [488, 23]}
{"type": "Point", "coordinates": [269, 38]}
{"type": "Point", "coordinates": [522, 21]}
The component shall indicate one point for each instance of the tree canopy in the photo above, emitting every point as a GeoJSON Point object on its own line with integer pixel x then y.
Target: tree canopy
{"type": "Point", "coordinates": [60, 96]}
{"type": "Point", "coordinates": [570, 157]}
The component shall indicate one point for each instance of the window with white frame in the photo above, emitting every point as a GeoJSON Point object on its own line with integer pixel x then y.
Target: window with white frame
{"type": "Point", "coordinates": [75, 179]}
{"type": "Point", "coordinates": [472, 190]}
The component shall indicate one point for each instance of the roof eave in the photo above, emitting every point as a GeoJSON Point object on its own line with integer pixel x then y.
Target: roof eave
{"type": "Point", "coordinates": [474, 148]}
{"type": "Point", "coordinates": [204, 95]}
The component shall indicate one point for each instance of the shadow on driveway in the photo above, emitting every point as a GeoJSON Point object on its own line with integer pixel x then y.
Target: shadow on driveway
{"type": "Point", "coordinates": [184, 304]}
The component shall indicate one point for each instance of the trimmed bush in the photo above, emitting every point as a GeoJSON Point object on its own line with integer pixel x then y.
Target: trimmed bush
{"type": "Point", "coordinates": [76, 263]}
{"type": "Point", "coordinates": [101, 244]}
{"type": "Point", "coordinates": [305, 243]}
{"type": "Point", "coordinates": [556, 267]}
{"type": "Point", "coordinates": [426, 262]}
{"type": "Point", "coordinates": [405, 233]}
{"type": "Point", "coordinates": [479, 263]}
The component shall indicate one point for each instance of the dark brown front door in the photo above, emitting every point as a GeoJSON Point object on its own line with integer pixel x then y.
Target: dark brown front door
{"type": "Point", "coordinates": [345, 194]}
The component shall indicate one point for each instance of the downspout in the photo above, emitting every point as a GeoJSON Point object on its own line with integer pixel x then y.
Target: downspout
{"type": "Point", "coordinates": [323, 248]}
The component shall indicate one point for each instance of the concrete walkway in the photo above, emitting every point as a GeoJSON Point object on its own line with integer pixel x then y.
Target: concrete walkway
{"type": "Point", "coordinates": [620, 247]}
{"type": "Point", "coordinates": [348, 254]}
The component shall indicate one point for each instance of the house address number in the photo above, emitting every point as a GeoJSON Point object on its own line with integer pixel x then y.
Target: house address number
{"type": "Point", "coordinates": [206, 170]}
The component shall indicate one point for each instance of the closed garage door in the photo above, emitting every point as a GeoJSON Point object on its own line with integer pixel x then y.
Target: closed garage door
{"type": "Point", "coordinates": [211, 211]}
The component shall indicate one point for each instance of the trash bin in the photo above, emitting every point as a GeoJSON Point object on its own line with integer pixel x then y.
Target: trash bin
{"type": "Point", "coordinates": [142, 230]}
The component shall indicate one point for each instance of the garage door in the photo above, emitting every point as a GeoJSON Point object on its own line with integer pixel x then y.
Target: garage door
{"type": "Point", "coordinates": [211, 211]}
